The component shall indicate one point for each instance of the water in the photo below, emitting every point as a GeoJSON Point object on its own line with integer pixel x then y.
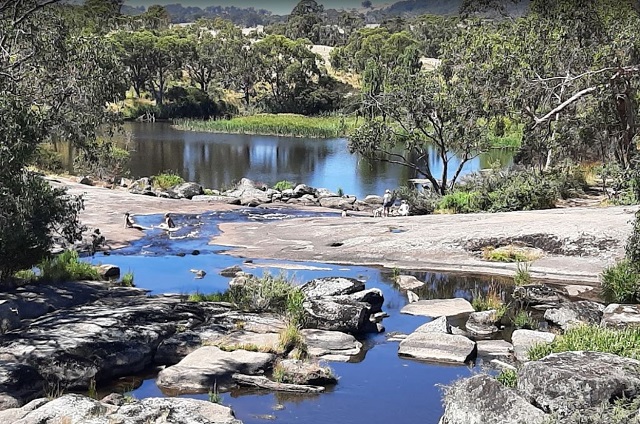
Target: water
{"type": "Point", "coordinates": [218, 160]}
{"type": "Point", "coordinates": [381, 388]}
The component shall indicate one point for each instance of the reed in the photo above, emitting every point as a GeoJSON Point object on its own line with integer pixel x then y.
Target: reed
{"type": "Point", "coordinates": [287, 125]}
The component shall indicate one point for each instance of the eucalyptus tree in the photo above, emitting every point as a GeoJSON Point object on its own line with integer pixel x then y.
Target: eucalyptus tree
{"type": "Point", "coordinates": [55, 82]}
{"type": "Point", "coordinates": [165, 60]}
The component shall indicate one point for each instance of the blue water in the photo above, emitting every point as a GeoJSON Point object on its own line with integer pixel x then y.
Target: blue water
{"type": "Point", "coordinates": [381, 388]}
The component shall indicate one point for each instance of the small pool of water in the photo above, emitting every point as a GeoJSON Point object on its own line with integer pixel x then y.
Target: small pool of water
{"type": "Point", "coordinates": [381, 388]}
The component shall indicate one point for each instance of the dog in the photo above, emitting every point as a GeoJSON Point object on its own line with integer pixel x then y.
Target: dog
{"type": "Point", "coordinates": [377, 213]}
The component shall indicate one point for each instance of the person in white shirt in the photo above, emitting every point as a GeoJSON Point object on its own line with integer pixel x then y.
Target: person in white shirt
{"type": "Point", "coordinates": [403, 210]}
{"type": "Point", "coordinates": [387, 202]}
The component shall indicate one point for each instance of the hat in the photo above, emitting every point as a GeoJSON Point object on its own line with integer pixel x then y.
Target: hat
{"type": "Point", "coordinates": [387, 191]}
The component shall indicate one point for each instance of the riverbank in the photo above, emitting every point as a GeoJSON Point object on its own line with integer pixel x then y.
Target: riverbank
{"type": "Point", "coordinates": [578, 242]}
{"type": "Point", "coordinates": [285, 125]}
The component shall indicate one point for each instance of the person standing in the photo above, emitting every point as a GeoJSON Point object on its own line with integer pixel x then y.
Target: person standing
{"type": "Point", "coordinates": [169, 221]}
{"type": "Point", "coordinates": [387, 202]}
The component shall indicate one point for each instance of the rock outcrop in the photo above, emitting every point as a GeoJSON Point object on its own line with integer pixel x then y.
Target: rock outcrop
{"type": "Point", "coordinates": [331, 345]}
{"type": "Point", "coordinates": [435, 308]}
{"type": "Point", "coordinates": [575, 313]}
{"type": "Point", "coordinates": [523, 340]}
{"type": "Point", "coordinates": [621, 316]}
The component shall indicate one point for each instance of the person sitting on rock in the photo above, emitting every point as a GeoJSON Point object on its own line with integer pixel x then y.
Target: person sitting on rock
{"type": "Point", "coordinates": [168, 221]}
{"type": "Point", "coordinates": [403, 210]}
{"type": "Point", "coordinates": [128, 221]}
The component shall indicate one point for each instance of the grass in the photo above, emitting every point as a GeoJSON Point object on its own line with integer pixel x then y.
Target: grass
{"type": "Point", "coordinates": [291, 338]}
{"type": "Point", "coordinates": [624, 342]}
{"type": "Point", "coordinates": [523, 319]}
{"type": "Point", "coordinates": [508, 378]}
{"type": "Point", "coordinates": [621, 283]}
{"type": "Point", "coordinates": [127, 280]}
{"type": "Point", "coordinates": [460, 202]}
{"type": "Point", "coordinates": [522, 277]}
{"type": "Point", "coordinates": [66, 267]}
{"type": "Point", "coordinates": [281, 375]}
{"type": "Point", "coordinates": [166, 180]}
{"type": "Point", "coordinates": [491, 300]}
{"type": "Point", "coordinates": [290, 125]}
{"type": "Point", "coordinates": [284, 185]}
{"type": "Point", "coordinates": [509, 253]}
{"type": "Point", "coordinates": [214, 395]}
{"type": "Point", "coordinates": [26, 275]}
{"type": "Point", "coordinates": [211, 297]}
{"type": "Point", "coordinates": [92, 392]}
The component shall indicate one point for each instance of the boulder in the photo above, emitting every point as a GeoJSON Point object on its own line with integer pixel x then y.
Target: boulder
{"type": "Point", "coordinates": [302, 189]}
{"type": "Point", "coordinates": [373, 297]}
{"type": "Point", "coordinates": [331, 286]}
{"type": "Point", "coordinates": [408, 282]}
{"type": "Point", "coordinates": [482, 323]}
{"type": "Point", "coordinates": [438, 347]}
{"type": "Point", "coordinates": [209, 366]}
{"type": "Point", "coordinates": [438, 325]}
{"type": "Point", "coordinates": [338, 202]}
{"type": "Point", "coordinates": [79, 409]}
{"type": "Point", "coordinates": [252, 322]}
{"type": "Point", "coordinates": [216, 199]}
{"type": "Point", "coordinates": [483, 400]}
{"type": "Point", "coordinates": [331, 345]}
{"type": "Point", "coordinates": [570, 381]}
{"type": "Point", "coordinates": [108, 271]}
{"type": "Point", "coordinates": [303, 201]}
{"type": "Point", "coordinates": [321, 193]}
{"type": "Point", "coordinates": [576, 290]}
{"type": "Point", "coordinates": [575, 313]}
{"type": "Point", "coordinates": [261, 342]}
{"type": "Point", "coordinates": [523, 340]}
{"type": "Point", "coordinates": [172, 349]}
{"type": "Point", "coordinates": [19, 384]}
{"type": "Point", "coordinates": [85, 181]}
{"type": "Point", "coordinates": [412, 297]}
{"type": "Point", "coordinates": [439, 307]}
{"type": "Point", "coordinates": [536, 294]}
{"type": "Point", "coordinates": [142, 186]}
{"type": "Point", "coordinates": [493, 348]}
{"type": "Point", "coordinates": [621, 316]}
{"type": "Point", "coordinates": [305, 372]}
{"type": "Point", "coordinates": [372, 199]}
{"type": "Point", "coordinates": [231, 271]}
{"type": "Point", "coordinates": [343, 315]}
{"type": "Point", "coordinates": [9, 316]}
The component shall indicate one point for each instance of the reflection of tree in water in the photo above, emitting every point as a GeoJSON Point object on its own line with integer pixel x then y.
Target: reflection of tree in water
{"type": "Point", "coordinates": [449, 286]}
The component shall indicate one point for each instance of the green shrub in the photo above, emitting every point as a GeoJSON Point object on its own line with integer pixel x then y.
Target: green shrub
{"type": "Point", "coordinates": [166, 180]}
{"type": "Point", "coordinates": [26, 275]}
{"type": "Point", "coordinates": [461, 202]}
{"type": "Point", "coordinates": [621, 283]}
{"type": "Point", "coordinates": [524, 320]}
{"type": "Point", "coordinates": [340, 192]}
{"type": "Point", "coordinates": [107, 161]}
{"type": "Point", "coordinates": [211, 297]}
{"type": "Point", "coordinates": [508, 378]}
{"type": "Point", "coordinates": [594, 338]}
{"type": "Point", "coordinates": [420, 202]}
{"type": "Point", "coordinates": [522, 277]}
{"type": "Point", "coordinates": [632, 248]}
{"type": "Point", "coordinates": [291, 338]}
{"type": "Point", "coordinates": [67, 267]}
{"type": "Point", "coordinates": [214, 395]}
{"type": "Point", "coordinates": [269, 293]}
{"type": "Point", "coordinates": [127, 280]}
{"type": "Point", "coordinates": [506, 254]}
{"type": "Point", "coordinates": [47, 160]}
{"type": "Point", "coordinates": [493, 299]}
{"type": "Point", "coordinates": [284, 185]}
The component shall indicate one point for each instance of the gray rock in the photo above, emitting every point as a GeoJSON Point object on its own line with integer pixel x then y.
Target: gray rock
{"type": "Point", "coordinates": [331, 345]}
{"type": "Point", "coordinates": [438, 325]}
{"type": "Point", "coordinates": [373, 199]}
{"type": "Point", "coordinates": [339, 315]}
{"type": "Point", "coordinates": [304, 372]}
{"type": "Point", "coordinates": [576, 290]}
{"type": "Point", "coordinates": [255, 323]}
{"type": "Point", "coordinates": [523, 340]}
{"type": "Point", "coordinates": [216, 199]}
{"type": "Point", "coordinates": [78, 409]}
{"type": "Point", "coordinates": [321, 193]}
{"type": "Point", "coordinates": [202, 369]}
{"type": "Point", "coordinates": [108, 271]}
{"type": "Point", "coordinates": [570, 381]}
{"type": "Point", "coordinates": [536, 294]}
{"type": "Point", "coordinates": [85, 181]}
{"type": "Point", "coordinates": [482, 323]}
{"type": "Point", "coordinates": [493, 348]}
{"type": "Point", "coordinates": [438, 347]}
{"type": "Point", "coordinates": [231, 271]}
{"type": "Point", "coordinates": [263, 342]}
{"type": "Point", "coordinates": [173, 349]}
{"type": "Point", "coordinates": [483, 400]}
{"type": "Point", "coordinates": [338, 202]}
{"type": "Point", "coordinates": [19, 384]}
{"type": "Point", "coordinates": [331, 286]}
{"type": "Point", "coordinates": [9, 316]}
{"type": "Point", "coordinates": [373, 297]}
{"type": "Point", "coordinates": [302, 189]}
{"type": "Point", "coordinates": [439, 307]}
{"type": "Point", "coordinates": [412, 297]}
{"type": "Point", "coordinates": [303, 201]}
{"type": "Point", "coordinates": [575, 313]}
{"type": "Point", "coordinates": [409, 282]}
{"type": "Point", "coordinates": [621, 316]}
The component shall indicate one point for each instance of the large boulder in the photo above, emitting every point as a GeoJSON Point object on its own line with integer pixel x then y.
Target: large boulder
{"type": "Point", "coordinates": [344, 315]}
{"type": "Point", "coordinates": [373, 199]}
{"type": "Point", "coordinates": [438, 347]}
{"type": "Point", "coordinates": [78, 409]}
{"type": "Point", "coordinates": [570, 381]}
{"type": "Point", "coordinates": [302, 189]}
{"type": "Point", "coordinates": [331, 345]}
{"type": "Point", "coordinates": [435, 308]}
{"type": "Point", "coordinates": [142, 186]}
{"type": "Point", "coordinates": [523, 340]}
{"type": "Point", "coordinates": [262, 342]}
{"type": "Point", "coordinates": [621, 316]}
{"type": "Point", "coordinates": [483, 400]}
{"type": "Point", "coordinates": [209, 366]}
{"type": "Point", "coordinates": [216, 199]}
{"type": "Point", "coordinates": [338, 202]}
{"type": "Point", "coordinates": [306, 372]}
{"type": "Point", "coordinates": [408, 282]}
{"type": "Point", "coordinates": [494, 348]}
{"type": "Point", "coordinates": [575, 313]}
{"type": "Point", "coordinates": [172, 349]}
{"type": "Point", "coordinates": [373, 297]}
{"type": "Point", "coordinates": [19, 383]}
{"type": "Point", "coordinates": [438, 325]}
{"type": "Point", "coordinates": [248, 193]}
{"type": "Point", "coordinates": [321, 193]}
{"type": "Point", "coordinates": [331, 286]}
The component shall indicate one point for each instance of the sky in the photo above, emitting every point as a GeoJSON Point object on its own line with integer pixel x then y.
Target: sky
{"type": "Point", "coordinates": [279, 7]}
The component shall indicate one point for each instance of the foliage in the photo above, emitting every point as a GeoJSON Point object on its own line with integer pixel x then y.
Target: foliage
{"type": "Point", "coordinates": [523, 319]}
{"type": "Point", "coordinates": [632, 248]}
{"type": "Point", "coordinates": [214, 395]}
{"type": "Point", "coordinates": [522, 277]}
{"type": "Point", "coordinates": [66, 266]}
{"type": "Point", "coordinates": [26, 275]}
{"type": "Point", "coordinates": [508, 377]}
{"type": "Point", "coordinates": [593, 338]}
{"type": "Point", "coordinates": [166, 180]}
{"type": "Point", "coordinates": [106, 161]}
{"type": "Point", "coordinates": [284, 185]}
{"type": "Point", "coordinates": [493, 299]}
{"type": "Point", "coordinates": [508, 253]}
{"type": "Point", "coordinates": [290, 125]}
{"type": "Point", "coordinates": [460, 202]}
{"type": "Point", "coordinates": [211, 297]}
{"type": "Point", "coordinates": [47, 160]}
{"type": "Point", "coordinates": [420, 202]}
{"type": "Point", "coordinates": [621, 283]}
{"type": "Point", "coordinates": [127, 280]}
{"type": "Point", "coordinates": [291, 338]}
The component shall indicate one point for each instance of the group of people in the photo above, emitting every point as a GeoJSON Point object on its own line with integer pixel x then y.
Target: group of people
{"type": "Point", "coordinates": [167, 224]}
{"type": "Point", "coordinates": [387, 202]}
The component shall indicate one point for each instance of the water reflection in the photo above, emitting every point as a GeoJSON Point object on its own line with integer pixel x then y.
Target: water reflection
{"type": "Point", "coordinates": [218, 160]}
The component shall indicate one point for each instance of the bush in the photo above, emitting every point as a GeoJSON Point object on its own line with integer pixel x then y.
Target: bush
{"type": "Point", "coordinates": [47, 160]}
{"type": "Point", "coordinates": [212, 297]}
{"type": "Point", "coordinates": [166, 180]}
{"type": "Point", "coordinates": [420, 202]}
{"type": "Point", "coordinates": [632, 248]}
{"type": "Point", "coordinates": [106, 161]}
{"type": "Point", "coordinates": [291, 338]}
{"type": "Point", "coordinates": [67, 267]}
{"type": "Point", "coordinates": [621, 283]}
{"type": "Point", "coordinates": [283, 185]}
{"type": "Point", "coordinates": [127, 280]}
{"type": "Point", "coordinates": [461, 202]}
{"type": "Point", "coordinates": [522, 277]}
{"type": "Point", "coordinates": [508, 378]}
{"type": "Point", "coordinates": [491, 300]}
{"type": "Point", "coordinates": [592, 338]}
{"type": "Point", "coordinates": [524, 320]}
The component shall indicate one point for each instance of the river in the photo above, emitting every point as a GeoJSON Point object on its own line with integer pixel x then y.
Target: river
{"type": "Point", "coordinates": [218, 160]}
